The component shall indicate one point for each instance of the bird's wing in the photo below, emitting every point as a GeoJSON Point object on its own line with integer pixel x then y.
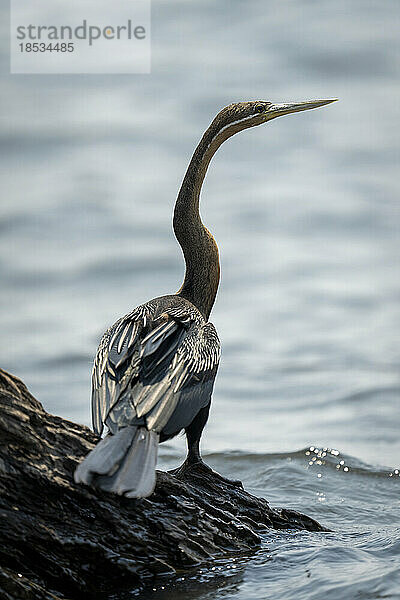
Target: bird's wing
{"type": "Point", "coordinates": [116, 346]}
{"type": "Point", "coordinates": [144, 365]}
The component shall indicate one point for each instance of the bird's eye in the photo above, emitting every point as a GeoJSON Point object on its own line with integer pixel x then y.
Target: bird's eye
{"type": "Point", "coordinates": [259, 108]}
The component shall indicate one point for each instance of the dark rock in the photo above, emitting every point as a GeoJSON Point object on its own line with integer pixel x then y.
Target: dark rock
{"type": "Point", "coordinates": [61, 540]}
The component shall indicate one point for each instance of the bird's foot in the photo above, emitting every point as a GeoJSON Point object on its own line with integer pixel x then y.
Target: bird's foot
{"type": "Point", "coordinates": [200, 467]}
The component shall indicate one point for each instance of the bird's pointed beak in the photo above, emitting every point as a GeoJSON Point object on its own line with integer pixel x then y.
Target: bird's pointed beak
{"type": "Point", "coordinates": [277, 110]}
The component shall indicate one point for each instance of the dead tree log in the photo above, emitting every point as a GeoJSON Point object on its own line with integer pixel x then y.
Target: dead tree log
{"type": "Point", "coordinates": [61, 540]}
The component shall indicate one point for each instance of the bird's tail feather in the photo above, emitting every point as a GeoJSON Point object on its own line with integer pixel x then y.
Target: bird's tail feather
{"type": "Point", "coordinates": [123, 463]}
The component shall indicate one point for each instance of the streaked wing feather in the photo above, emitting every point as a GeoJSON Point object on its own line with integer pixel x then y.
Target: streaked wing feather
{"type": "Point", "coordinates": [115, 347]}
{"type": "Point", "coordinates": [144, 366]}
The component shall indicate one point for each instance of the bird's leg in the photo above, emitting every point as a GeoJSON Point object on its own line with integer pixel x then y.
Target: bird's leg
{"type": "Point", "coordinates": [194, 462]}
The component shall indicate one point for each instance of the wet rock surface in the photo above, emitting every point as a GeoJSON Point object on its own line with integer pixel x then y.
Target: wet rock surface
{"type": "Point", "coordinates": [61, 540]}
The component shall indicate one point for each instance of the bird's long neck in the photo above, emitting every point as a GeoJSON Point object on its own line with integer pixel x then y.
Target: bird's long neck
{"type": "Point", "coordinates": [198, 245]}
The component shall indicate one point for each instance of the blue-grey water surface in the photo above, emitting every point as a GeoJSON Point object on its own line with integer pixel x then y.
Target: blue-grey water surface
{"type": "Point", "coordinates": [306, 212]}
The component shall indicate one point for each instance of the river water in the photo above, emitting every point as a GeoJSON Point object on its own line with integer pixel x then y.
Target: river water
{"type": "Point", "coordinates": [306, 213]}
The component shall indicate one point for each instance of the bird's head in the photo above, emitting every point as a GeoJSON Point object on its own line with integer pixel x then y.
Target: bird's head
{"type": "Point", "coordinates": [241, 115]}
